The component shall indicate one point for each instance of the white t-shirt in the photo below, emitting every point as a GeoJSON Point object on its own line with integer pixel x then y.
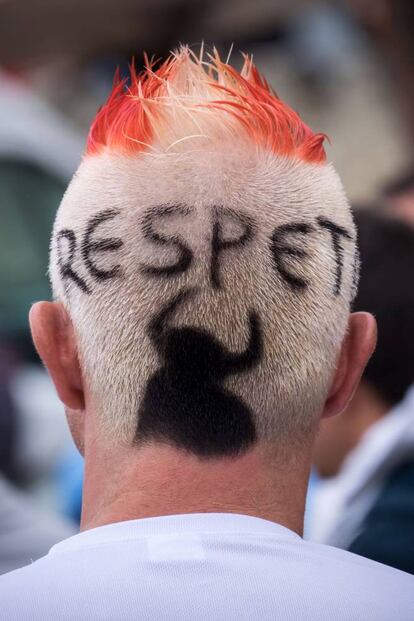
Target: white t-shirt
{"type": "Point", "coordinates": [208, 567]}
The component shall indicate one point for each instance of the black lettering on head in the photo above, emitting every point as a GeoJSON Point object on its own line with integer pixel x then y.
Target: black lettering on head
{"type": "Point", "coordinates": [67, 237]}
{"type": "Point", "coordinates": [185, 256]}
{"type": "Point", "coordinates": [336, 233]}
{"type": "Point", "coordinates": [90, 247]}
{"type": "Point", "coordinates": [219, 243]}
{"type": "Point", "coordinates": [356, 268]}
{"type": "Point", "coordinates": [184, 402]}
{"type": "Point", "coordinates": [281, 249]}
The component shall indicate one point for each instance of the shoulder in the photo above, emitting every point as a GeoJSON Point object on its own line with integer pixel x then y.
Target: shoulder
{"type": "Point", "coordinates": [29, 579]}
{"type": "Point", "coordinates": [368, 589]}
{"type": "Point", "coordinates": [37, 591]}
{"type": "Point", "coordinates": [25, 576]}
{"type": "Point", "coordinates": [362, 578]}
{"type": "Point", "coordinates": [244, 571]}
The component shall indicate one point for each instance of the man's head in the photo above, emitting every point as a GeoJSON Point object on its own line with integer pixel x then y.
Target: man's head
{"type": "Point", "coordinates": [387, 263]}
{"type": "Point", "coordinates": [203, 260]}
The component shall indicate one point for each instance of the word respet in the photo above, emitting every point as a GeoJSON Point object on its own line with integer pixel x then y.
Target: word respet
{"type": "Point", "coordinates": [231, 230]}
{"type": "Point", "coordinates": [185, 254]}
{"type": "Point", "coordinates": [88, 247]}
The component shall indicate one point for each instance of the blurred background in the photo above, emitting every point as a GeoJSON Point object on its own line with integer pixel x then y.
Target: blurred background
{"type": "Point", "coordinates": [346, 66]}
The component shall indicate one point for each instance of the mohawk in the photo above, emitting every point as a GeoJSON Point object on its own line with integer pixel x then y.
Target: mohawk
{"type": "Point", "coordinates": [188, 97]}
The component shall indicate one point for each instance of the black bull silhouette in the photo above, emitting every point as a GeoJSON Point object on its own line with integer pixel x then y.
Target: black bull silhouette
{"type": "Point", "coordinates": [185, 403]}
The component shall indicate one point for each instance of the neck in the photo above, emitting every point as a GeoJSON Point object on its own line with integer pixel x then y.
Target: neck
{"type": "Point", "coordinates": [159, 480]}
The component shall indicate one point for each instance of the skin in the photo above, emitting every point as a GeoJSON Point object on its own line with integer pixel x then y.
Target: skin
{"type": "Point", "coordinates": [339, 436]}
{"type": "Point", "coordinates": [124, 483]}
{"type": "Point", "coordinates": [402, 206]}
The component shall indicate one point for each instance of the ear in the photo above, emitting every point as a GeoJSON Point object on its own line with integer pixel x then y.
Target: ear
{"type": "Point", "coordinates": [54, 339]}
{"type": "Point", "coordinates": [357, 348]}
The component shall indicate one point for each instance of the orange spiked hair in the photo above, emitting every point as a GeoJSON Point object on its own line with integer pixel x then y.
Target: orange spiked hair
{"type": "Point", "coordinates": [197, 95]}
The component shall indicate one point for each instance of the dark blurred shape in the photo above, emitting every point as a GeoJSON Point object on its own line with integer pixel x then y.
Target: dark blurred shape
{"type": "Point", "coordinates": [8, 419]}
{"type": "Point", "coordinates": [401, 48]}
{"type": "Point", "coordinates": [28, 199]}
{"type": "Point", "coordinates": [367, 506]}
{"type": "Point", "coordinates": [392, 23]}
{"type": "Point", "coordinates": [7, 428]}
{"type": "Point", "coordinates": [403, 184]}
{"type": "Point", "coordinates": [398, 197]}
{"type": "Point", "coordinates": [385, 289]}
{"type": "Point", "coordinates": [325, 43]}
{"type": "Point", "coordinates": [39, 151]}
{"type": "Point", "coordinates": [387, 535]}
{"type": "Point", "coordinates": [387, 257]}
{"type": "Point", "coordinates": [39, 30]}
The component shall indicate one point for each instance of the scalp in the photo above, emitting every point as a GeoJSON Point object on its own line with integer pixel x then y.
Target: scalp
{"type": "Point", "coordinates": [186, 197]}
{"type": "Point", "coordinates": [262, 237]}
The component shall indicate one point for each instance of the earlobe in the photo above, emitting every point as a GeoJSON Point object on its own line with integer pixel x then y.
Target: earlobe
{"type": "Point", "coordinates": [357, 348]}
{"type": "Point", "coordinates": [53, 336]}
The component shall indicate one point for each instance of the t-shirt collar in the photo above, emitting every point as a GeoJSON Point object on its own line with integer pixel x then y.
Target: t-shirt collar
{"type": "Point", "coordinates": [207, 523]}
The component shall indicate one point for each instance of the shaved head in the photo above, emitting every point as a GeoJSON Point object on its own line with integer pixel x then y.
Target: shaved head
{"type": "Point", "coordinates": [206, 255]}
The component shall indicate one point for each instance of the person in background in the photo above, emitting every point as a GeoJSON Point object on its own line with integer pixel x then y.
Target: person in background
{"type": "Point", "coordinates": [398, 198]}
{"type": "Point", "coordinates": [203, 265]}
{"type": "Point", "coordinates": [27, 528]}
{"type": "Point", "coordinates": [39, 151]}
{"type": "Point", "coordinates": [366, 455]}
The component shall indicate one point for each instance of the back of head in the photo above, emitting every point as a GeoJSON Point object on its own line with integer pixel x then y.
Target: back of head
{"type": "Point", "coordinates": [205, 252]}
{"type": "Point", "coordinates": [387, 262]}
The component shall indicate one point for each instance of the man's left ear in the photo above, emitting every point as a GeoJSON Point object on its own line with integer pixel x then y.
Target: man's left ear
{"type": "Point", "coordinates": [357, 347]}
{"type": "Point", "coordinates": [54, 339]}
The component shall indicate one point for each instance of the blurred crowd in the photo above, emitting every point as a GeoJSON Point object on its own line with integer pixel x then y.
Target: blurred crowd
{"type": "Point", "coordinates": [346, 66]}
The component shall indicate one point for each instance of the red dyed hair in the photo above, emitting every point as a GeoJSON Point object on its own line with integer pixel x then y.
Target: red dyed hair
{"type": "Point", "coordinates": [128, 121]}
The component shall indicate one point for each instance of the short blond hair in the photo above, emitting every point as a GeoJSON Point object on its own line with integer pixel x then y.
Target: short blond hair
{"type": "Point", "coordinates": [206, 254]}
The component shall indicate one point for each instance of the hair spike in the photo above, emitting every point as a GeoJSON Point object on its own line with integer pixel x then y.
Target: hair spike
{"type": "Point", "coordinates": [136, 115]}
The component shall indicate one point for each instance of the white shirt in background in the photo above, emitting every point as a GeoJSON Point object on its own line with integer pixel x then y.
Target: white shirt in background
{"type": "Point", "coordinates": [340, 504]}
